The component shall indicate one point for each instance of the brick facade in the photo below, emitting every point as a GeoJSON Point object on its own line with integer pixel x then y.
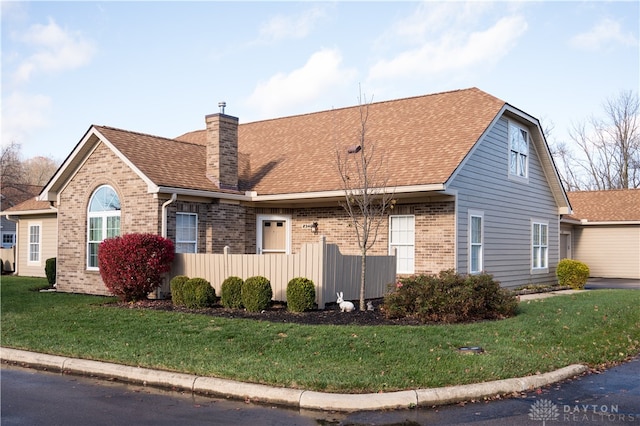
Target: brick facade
{"type": "Point", "coordinates": [140, 212]}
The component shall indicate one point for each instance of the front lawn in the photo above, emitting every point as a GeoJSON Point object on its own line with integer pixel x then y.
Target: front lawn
{"type": "Point", "coordinates": [594, 327]}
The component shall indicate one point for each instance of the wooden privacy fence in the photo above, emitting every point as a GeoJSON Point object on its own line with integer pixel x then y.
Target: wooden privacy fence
{"type": "Point", "coordinates": [320, 262]}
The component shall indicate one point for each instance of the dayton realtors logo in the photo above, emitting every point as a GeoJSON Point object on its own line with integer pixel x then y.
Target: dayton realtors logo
{"type": "Point", "coordinates": [545, 410]}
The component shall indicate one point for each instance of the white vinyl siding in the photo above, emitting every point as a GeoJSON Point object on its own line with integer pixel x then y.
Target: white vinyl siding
{"type": "Point", "coordinates": [475, 242]}
{"type": "Point", "coordinates": [539, 246]}
{"type": "Point", "coordinates": [186, 233]}
{"type": "Point", "coordinates": [402, 239]}
{"type": "Point", "coordinates": [103, 221]}
{"type": "Point", "coordinates": [35, 238]}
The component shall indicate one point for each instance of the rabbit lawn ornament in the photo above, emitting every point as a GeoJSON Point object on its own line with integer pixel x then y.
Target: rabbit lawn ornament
{"type": "Point", "coordinates": [344, 306]}
{"type": "Point", "coordinates": [370, 306]}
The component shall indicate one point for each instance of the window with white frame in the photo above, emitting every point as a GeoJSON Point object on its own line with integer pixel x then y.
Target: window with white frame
{"type": "Point", "coordinates": [186, 233]}
{"type": "Point", "coordinates": [103, 221]}
{"type": "Point", "coordinates": [35, 237]}
{"type": "Point", "coordinates": [476, 238]}
{"type": "Point", "coordinates": [8, 239]}
{"type": "Point", "coordinates": [402, 238]}
{"type": "Point", "coordinates": [518, 151]}
{"type": "Point", "coordinates": [540, 245]}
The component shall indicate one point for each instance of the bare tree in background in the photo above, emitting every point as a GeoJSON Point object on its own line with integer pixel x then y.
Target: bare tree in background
{"type": "Point", "coordinates": [364, 181]}
{"type": "Point", "coordinates": [606, 152]}
{"type": "Point", "coordinates": [20, 180]}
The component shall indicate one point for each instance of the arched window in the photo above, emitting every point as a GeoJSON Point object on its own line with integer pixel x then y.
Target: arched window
{"type": "Point", "coordinates": [103, 221]}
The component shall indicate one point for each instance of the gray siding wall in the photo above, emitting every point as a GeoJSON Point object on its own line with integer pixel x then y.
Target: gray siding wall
{"type": "Point", "coordinates": [509, 206]}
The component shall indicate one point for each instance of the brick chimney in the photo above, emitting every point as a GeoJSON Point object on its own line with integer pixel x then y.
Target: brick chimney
{"type": "Point", "coordinates": [222, 150]}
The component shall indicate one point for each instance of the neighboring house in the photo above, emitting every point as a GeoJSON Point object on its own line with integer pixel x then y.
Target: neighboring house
{"type": "Point", "coordinates": [604, 232]}
{"type": "Point", "coordinates": [36, 236]}
{"type": "Point", "coordinates": [10, 196]}
{"type": "Point", "coordinates": [474, 181]}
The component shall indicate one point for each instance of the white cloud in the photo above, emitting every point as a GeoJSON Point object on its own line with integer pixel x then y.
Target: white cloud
{"type": "Point", "coordinates": [285, 92]}
{"type": "Point", "coordinates": [23, 115]}
{"type": "Point", "coordinates": [604, 33]}
{"type": "Point", "coordinates": [55, 49]}
{"type": "Point", "coordinates": [282, 27]}
{"type": "Point", "coordinates": [456, 47]}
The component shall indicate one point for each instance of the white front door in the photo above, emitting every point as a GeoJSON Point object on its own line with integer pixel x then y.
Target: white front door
{"type": "Point", "coordinates": [273, 235]}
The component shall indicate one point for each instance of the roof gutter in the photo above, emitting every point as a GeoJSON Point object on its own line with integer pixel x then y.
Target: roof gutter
{"type": "Point", "coordinates": [252, 196]}
{"type": "Point", "coordinates": [586, 222]}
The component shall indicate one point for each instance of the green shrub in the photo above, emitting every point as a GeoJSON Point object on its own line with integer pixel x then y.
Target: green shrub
{"type": "Point", "coordinates": [572, 273]}
{"type": "Point", "coordinates": [177, 289]}
{"type": "Point", "coordinates": [231, 293]}
{"type": "Point", "coordinates": [301, 294]}
{"type": "Point", "coordinates": [449, 297]}
{"type": "Point", "coordinates": [198, 293]}
{"type": "Point", "coordinates": [50, 270]}
{"type": "Point", "coordinates": [256, 293]}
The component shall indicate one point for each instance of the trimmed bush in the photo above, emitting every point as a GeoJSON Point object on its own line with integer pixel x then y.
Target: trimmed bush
{"type": "Point", "coordinates": [256, 293]}
{"type": "Point", "coordinates": [449, 297]}
{"type": "Point", "coordinates": [132, 265]}
{"type": "Point", "coordinates": [50, 270]}
{"type": "Point", "coordinates": [198, 293]}
{"type": "Point", "coordinates": [231, 293]}
{"type": "Point", "coordinates": [301, 294]}
{"type": "Point", "coordinates": [177, 289]}
{"type": "Point", "coordinates": [572, 273]}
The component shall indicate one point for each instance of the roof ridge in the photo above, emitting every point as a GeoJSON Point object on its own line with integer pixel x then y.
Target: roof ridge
{"type": "Point", "coordinates": [427, 95]}
{"type": "Point", "coordinates": [145, 134]}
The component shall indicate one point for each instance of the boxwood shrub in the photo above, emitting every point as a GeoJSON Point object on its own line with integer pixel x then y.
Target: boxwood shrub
{"type": "Point", "coordinates": [177, 289]}
{"type": "Point", "coordinates": [50, 270]}
{"type": "Point", "coordinates": [256, 293]}
{"type": "Point", "coordinates": [572, 273]}
{"type": "Point", "coordinates": [301, 294]}
{"type": "Point", "coordinates": [198, 293]}
{"type": "Point", "coordinates": [231, 292]}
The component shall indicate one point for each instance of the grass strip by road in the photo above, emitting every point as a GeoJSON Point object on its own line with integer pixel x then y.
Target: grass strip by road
{"type": "Point", "coordinates": [592, 327]}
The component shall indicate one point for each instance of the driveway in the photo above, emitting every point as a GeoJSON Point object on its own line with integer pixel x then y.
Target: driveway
{"type": "Point", "coordinates": [617, 283]}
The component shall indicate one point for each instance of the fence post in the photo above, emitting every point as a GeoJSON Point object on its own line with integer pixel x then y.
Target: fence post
{"type": "Point", "coordinates": [226, 251]}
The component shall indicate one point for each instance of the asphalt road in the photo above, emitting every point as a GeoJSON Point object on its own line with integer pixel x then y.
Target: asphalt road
{"type": "Point", "coordinates": [31, 397]}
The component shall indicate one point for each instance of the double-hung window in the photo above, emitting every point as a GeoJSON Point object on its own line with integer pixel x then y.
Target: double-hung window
{"type": "Point", "coordinates": [103, 221]}
{"type": "Point", "coordinates": [540, 246]}
{"type": "Point", "coordinates": [35, 237]}
{"type": "Point", "coordinates": [476, 242]}
{"type": "Point", "coordinates": [402, 238]}
{"type": "Point", "coordinates": [518, 151]}
{"type": "Point", "coordinates": [186, 233]}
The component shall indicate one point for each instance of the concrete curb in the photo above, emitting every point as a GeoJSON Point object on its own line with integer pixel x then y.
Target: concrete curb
{"type": "Point", "coordinates": [283, 396]}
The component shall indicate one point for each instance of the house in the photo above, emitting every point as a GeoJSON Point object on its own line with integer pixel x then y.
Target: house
{"type": "Point", "coordinates": [37, 234]}
{"type": "Point", "coordinates": [604, 232]}
{"type": "Point", "coordinates": [475, 187]}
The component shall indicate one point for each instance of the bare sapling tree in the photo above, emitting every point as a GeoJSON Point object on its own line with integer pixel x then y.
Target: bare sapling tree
{"type": "Point", "coordinates": [365, 181]}
{"type": "Point", "coordinates": [607, 150]}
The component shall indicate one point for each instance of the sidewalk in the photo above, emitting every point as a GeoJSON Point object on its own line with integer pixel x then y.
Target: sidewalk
{"type": "Point", "coordinates": [298, 398]}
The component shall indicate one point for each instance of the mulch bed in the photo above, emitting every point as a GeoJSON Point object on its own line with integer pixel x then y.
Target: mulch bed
{"type": "Point", "coordinates": [278, 313]}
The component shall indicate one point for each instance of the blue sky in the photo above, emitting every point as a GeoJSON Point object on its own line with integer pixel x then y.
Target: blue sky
{"type": "Point", "coordinates": [160, 67]}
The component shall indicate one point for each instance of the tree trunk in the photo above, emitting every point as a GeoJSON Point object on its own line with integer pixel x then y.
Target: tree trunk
{"type": "Point", "coordinates": [363, 273]}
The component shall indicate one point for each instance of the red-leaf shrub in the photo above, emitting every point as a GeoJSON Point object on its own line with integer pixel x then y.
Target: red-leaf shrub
{"type": "Point", "coordinates": [132, 265]}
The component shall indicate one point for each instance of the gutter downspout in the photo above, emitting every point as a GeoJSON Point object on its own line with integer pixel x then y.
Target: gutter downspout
{"type": "Point", "coordinates": [173, 198]}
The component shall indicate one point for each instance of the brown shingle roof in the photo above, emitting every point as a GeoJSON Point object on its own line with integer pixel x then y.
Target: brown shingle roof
{"type": "Point", "coordinates": [166, 162]}
{"type": "Point", "coordinates": [423, 140]}
{"type": "Point", "coordinates": [29, 205]}
{"type": "Point", "coordinates": [617, 205]}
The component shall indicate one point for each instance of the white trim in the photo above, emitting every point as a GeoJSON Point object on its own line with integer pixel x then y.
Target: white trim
{"type": "Point", "coordinates": [187, 242]}
{"type": "Point", "coordinates": [262, 217]}
{"type": "Point", "coordinates": [545, 269]}
{"type": "Point", "coordinates": [31, 224]}
{"type": "Point", "coordinates": [392, 246]}
{"type": "Point", "coordinates": [470, 215]}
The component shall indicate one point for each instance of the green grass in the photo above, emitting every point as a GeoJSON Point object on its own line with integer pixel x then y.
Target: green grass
{"type": "Point", "coordinates": [593, 327]}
